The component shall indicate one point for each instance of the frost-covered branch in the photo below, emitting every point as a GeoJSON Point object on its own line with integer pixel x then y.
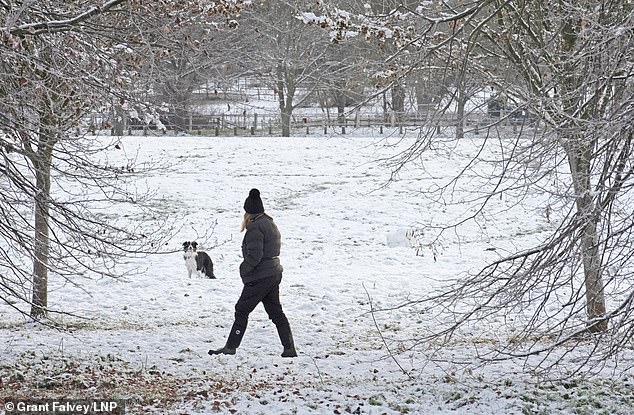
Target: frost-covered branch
{"type": "Point", "coordinates": [57, 25]}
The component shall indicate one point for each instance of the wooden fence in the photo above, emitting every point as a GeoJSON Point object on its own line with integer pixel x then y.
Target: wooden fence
{"type": "Point", "coordinates": [257, 124]}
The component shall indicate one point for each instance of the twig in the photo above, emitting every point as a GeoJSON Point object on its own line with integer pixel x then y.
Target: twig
{"type": "Point", "coordinates": [318, 371]}
{"type": "Point", "coordinates": [381, 335]}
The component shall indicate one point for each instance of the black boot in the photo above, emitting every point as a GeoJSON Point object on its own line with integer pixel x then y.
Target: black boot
{"type": "Point", "coordinates": [234, 340]}
{"type": "Point", "coordinates": [290, 352]}
{"type": "Point", "coordinates": [224, 350]}
{"type": "Point", "coordinates": [286, 337]}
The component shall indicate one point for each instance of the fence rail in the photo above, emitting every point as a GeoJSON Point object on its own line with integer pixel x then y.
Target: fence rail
{"type": "Point", "coordinates": [257, 124]}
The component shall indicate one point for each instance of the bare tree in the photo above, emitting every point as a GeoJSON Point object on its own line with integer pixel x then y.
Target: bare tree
{"type": "Point", "coordinates": [193, 53]}
{"type": "Point", "coordinates": [61, 62]}
{"type": "Point", "coordinates": [286, 55]}
{"type": "Point", "coordinates": [569, 66]}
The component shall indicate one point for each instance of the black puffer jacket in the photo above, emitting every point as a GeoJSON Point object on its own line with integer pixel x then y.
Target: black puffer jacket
{"type": "Point", "coordinates": [261, 250]}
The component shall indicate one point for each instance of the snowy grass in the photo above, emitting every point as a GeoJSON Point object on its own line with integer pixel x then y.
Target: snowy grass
{"type": "Point", "coordinates": [347, 246]}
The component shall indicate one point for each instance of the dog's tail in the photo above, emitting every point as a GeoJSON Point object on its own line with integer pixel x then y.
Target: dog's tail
{"type": "Point", "coordinates": [209, 272]}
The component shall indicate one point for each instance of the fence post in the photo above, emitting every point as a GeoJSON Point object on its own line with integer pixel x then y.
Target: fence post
{"type": "Point", "coordinates": [255, 120]}
{"type": "Point", "coordinates": [252, 130]}
{"type": "Point", "coordinates": [343, 129]}
{"type": "Point", "coordinates": [270, 130]}
{"type": "Point", "coordinates": [217, 131]}
{"type": "Point", "coordinates": [381, 129]}
{"type": "Point", "coordinates": [191, 122]}
{"type": "Point", "coordinates": [235, 130]}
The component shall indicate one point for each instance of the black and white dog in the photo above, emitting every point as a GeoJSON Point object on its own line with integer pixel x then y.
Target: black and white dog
{"type": "Point", "coordinates": [196, 261]}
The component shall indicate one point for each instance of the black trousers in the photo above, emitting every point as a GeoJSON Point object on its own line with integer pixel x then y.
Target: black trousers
{"type": "Point", "coordinates": [267, 292]}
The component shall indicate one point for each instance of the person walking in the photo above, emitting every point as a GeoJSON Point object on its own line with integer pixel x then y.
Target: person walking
{"type": "Point", "coordinates": [261, 273]}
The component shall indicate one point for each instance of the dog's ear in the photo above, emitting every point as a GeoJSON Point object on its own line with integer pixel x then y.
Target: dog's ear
{"type": "Point", "coordinates": [185, 244]}
{"type": "Point", "coordinates": [195, 244]}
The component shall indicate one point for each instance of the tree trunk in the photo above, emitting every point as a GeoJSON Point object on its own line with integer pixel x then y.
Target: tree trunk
{"type": "Point", "coordinates": [398, 102]}
{"type": "Point", "coordinates": [424, 98]}
{"type": "Point", "coordinates": [119, 121]}
{"type": "Point", "coordinates": [580, 154]}
{"type": "Point", "coordinates": [286, 124]}
{"type": "Point", "coordinates": [580, 166]}
{"type": "Point", "coordinates": [41, 237]}
{"type": "Point", "coordinates": [460, 119]}
{"type": "Point", "coordinates": [595, 295]}
{"type": "Point", "coordinates": [285, 93]}
{"type": "Point", "coordinates": [181, 118]}
{"type": "Point", "coordinates": [385, 109]}
{"type": "Point", "coordinates": [340, 101]}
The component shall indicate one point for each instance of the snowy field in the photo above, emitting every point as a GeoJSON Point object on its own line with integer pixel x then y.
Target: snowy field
{"type": "Point", "coordinates": [145, 338]}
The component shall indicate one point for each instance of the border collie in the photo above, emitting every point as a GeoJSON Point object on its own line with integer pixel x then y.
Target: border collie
{"type": "Point", "coordinates": [196, 261]}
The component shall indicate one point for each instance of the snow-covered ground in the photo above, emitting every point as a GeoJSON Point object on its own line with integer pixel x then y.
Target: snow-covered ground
{"type": "Point", "coordinates": [345, 250]}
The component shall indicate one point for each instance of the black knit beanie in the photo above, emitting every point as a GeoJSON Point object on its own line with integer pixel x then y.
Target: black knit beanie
{"type": "Point", "coordinates": [253, 204]}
